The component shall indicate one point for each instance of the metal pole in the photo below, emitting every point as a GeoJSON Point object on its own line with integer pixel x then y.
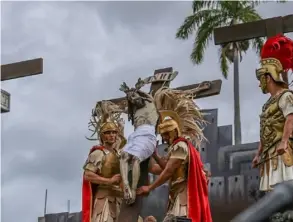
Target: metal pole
{"type": "Point", "coordinates": [68, 206]}
{"type": "Point", "coordinates": [45, 208]}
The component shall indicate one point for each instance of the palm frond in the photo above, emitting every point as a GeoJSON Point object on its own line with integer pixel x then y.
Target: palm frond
{"type": "Point", "coordinates": [198, 5]}
{"type": "Point", "coordinates": [203, 36]}
{"type": "Point", "coordinates": [224, 61]}
{"type": "Point", "coordinates": [229, 7]}
{"type": "Point", "coordinates": [193, 21]}
{"type": "Point", "coordinates": [243, 46]}
{"type": "Point", "coordinates": [257, 45]}
{"type": "Point", "coordinates": [248, 14]}
{"type": "Point", "coordinates": [228, 50]}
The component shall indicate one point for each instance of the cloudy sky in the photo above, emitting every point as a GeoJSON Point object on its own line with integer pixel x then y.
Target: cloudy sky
{"type": "Point", "coordinates": [89, 48]}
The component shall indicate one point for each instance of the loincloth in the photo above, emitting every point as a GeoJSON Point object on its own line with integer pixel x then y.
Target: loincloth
{"type": "Point", "coordinates": [142, 142]}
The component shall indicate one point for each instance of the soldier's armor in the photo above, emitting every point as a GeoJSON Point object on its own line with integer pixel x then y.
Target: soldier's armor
{"type": "Point", "coordinates": [110, 165]}
{"type": "Point", "coordinates": [178, 182]}
{"type": "Point", "coordinates": [272, 122]}
{"type": "Point", "coordinates": [180, 175]}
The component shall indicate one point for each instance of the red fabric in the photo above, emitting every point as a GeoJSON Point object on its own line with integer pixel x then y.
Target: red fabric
{"type": "Point", "coordinates": [279, 47]}
{"type": "Point", "coordinates": [197, 188]}
{"type": "Point", "coordinates": [87, 195]}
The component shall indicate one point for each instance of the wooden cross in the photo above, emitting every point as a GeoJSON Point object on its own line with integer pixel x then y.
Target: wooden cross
{"type": "Point", "coordinates": [161, 77]}
{"type": "Point", "coordinates": [250, 30]}
{"type": "Point", "coordinates": [18, 70]}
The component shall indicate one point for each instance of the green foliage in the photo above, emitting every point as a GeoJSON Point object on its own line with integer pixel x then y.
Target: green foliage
{"type": "Point", "coordinates": [208, 15]}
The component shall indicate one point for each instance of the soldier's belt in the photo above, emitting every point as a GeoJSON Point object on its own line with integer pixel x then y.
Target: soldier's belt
{"type": "Point", "coordinates": [111, 191]}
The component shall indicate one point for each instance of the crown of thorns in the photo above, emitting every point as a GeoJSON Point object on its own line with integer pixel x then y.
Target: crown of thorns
{"type": "Point", "coordinates": [125, 88]}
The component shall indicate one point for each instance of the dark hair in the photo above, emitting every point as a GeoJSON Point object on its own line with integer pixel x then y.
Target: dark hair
{"type": "Point", "coordinates": [281, 84]}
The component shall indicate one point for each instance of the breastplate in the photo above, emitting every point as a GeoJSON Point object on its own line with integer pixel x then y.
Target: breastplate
{"type": "Point", "coordinates": [110, 165]}
{"type": "Point", "coordinates": [180, 175]}
{"type": "Point", "coordinates": [272, 123]}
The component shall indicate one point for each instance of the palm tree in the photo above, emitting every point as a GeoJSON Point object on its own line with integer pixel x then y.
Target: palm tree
{"type": "Point", "coordinates": [206, 16]}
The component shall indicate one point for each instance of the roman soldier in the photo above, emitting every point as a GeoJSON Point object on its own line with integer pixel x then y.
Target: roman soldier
{"type": "Point", "coordinates": [180, 122]}
{"type": "Point", "coordinates": [275, 156]}
{"type": "Point", "coordinates": [101, 190]}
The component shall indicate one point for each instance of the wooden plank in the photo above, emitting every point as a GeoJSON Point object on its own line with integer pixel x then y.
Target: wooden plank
{"type": "Point", "coordinates": [250, 30]}
{"type": "Point", "coordinates": [5, 101]}
{"type": "Point", "coordinates": [288, 23]}
{"type": "Point", "coordinates": [274, 26]}
{"type": "Point", "coordinates": [21, 69]}
{"type": "Point", "coordinates": [157, 85]}
{"type": "Point", "coordinates": [215, 89]}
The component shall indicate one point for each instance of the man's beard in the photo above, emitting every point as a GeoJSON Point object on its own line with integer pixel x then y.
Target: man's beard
{"type": "Point", "coordinates": [109, 143]}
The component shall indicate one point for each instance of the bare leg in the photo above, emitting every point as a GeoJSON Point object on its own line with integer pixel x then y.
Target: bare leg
{"type": "Point", "coordinates": [124, 169]}
{"type": "Point", "coordinates": [135, 178]}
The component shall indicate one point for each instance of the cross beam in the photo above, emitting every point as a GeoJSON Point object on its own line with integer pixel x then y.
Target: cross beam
{"type": "Point", "coordinates": [205, 89]}
{"type": "Point", "coordinates": [18, 70]}
{"type": "Point", "coordinates": [250, 30]}
{"type": "Point", "coordinates": [160, 79]}
{"type": "Point", "coordinates": [21, 69]}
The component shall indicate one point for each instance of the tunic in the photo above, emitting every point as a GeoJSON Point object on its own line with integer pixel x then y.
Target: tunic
{"type": "Point", "coordinates": [273, 117]}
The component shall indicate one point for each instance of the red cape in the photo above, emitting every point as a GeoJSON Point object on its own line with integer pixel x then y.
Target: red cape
{"type": "Point", "coordinates": [198, 206]}
{"type": "Point", "coordinates": [87, 194]}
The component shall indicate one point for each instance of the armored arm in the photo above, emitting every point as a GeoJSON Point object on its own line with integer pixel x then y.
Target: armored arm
{"type": "Point", "coordinates": [154, 168]}
{"type": "Point", "coordinates": [286, 105]}
{"type": "Point", "coordinates": [170, 168]}
{"type": "Point", "coordinates": [92, 168]}
{"type": "Point", "coordinates": [177, 156]}
{"type": "Point", "coordinates": [161, 161]}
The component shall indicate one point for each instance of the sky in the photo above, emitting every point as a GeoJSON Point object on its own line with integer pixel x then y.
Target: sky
{"type": "Point", "coordinates": [89, 49]}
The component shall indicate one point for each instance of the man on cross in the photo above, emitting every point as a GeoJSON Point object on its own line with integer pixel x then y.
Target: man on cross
{"type": "Point", "coordinates": [142, 142]}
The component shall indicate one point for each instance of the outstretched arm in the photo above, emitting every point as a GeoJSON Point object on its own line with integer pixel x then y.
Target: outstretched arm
{"type": "Point", "coordinates": [154, 168]}
{"type": "Point", "coordinates": [95, 178]}
{"type": "Point", "coordinates": [177, 155]}
{"type": "Point", "coordinates": [160, 160]}
{"type": "Point", "coordinates": [171, 166]}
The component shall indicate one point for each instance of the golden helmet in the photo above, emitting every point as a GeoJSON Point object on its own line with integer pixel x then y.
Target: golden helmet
{"type": "Point", "coordinates": [170, 123]}
{"type": "Point", "coordinates": [108, 126]}
{"type": "Point", "coordinates": [276, 59]}
{"type": "Point", "coordinates": [274, 68]}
